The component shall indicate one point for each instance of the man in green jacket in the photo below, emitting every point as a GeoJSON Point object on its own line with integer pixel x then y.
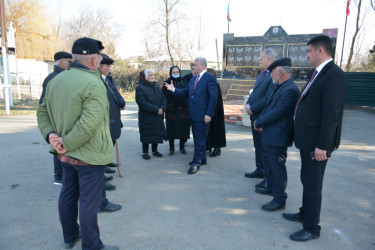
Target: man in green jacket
{"type": "Point", "coordinates": [74, 119]}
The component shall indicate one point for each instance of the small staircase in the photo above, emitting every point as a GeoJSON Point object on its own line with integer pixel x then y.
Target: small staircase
{"type": "Point", "coordinates": [238, 90]}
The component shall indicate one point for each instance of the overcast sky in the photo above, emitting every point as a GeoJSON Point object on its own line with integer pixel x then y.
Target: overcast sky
{"type": "Point", "coordinates": [249, 18]}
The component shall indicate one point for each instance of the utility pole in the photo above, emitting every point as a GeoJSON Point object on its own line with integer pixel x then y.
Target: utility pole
{"type": "Point", "coordinates": [4, 56]}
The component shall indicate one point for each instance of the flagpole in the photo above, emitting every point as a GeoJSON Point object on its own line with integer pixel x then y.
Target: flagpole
{"type": "Point", "coordinates": [343, 42]}
{"type": "Point", "coordinates": [228, 26]}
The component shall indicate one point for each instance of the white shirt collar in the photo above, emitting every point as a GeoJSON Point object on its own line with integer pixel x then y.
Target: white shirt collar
{"type": "Point", "coordinates": [321, 66]}
{"type": "Point", "coordinates": [201, 74]}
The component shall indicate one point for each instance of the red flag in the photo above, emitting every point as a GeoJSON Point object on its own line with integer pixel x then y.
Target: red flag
{"type": "Point", "coordinates": [347, 8]}
{"type": "Point", "coordinates": [228, 16]}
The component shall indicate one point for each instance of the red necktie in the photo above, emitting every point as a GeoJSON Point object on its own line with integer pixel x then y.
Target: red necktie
{"type": "Point", "coordinates": [196, 82]}
{"type": "Point", "coordinates": [304, 91]}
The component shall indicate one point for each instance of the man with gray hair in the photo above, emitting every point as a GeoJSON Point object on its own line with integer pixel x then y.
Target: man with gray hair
{"type": "Point", "coordinates": [263, 88]}
{"type": "Point", "coordinates": [276, 124]}
{"type": "Point", "coordinates": [74, 119]}
{"type": "Point", "coordinates": [202, 94]}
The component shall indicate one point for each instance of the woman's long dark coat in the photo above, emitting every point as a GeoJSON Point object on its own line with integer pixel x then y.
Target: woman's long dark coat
{"type": "Point", "coordinates": [150, 99]}
{"type": "Point", "coordinates": [216, 135]}
{"type": "Point", "coordinates": [177, 113]}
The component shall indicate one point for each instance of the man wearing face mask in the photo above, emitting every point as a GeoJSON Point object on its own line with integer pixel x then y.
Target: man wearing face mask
{"type": "Point", "coordinates": [177, 115]}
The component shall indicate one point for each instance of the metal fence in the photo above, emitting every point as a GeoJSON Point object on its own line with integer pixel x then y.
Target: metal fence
{"type": "Point", "coordinates": [361, 89]}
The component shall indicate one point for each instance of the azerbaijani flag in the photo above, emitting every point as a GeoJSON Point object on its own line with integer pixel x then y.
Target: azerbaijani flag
{"type": "Point", "coordinates": [228, 16]}
{"type": "Point", "coordinates": [347, 8]}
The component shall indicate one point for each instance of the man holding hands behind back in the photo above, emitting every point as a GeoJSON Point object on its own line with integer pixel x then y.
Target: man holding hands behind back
{"type": "Point", "coordinates": [202, 94]}
{"type": "Point", "coordinates": [74, 119]}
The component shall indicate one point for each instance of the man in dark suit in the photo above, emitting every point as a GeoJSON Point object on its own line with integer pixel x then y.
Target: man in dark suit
{"type": "Point", "coordinates": [62, 62]}
{"type": "Point", "coordinates": [116, 104]}
{"type": "Point", "coordinates": [276, 124]}
{"type": "Point", "coordinates": [202, 94]}
{"type": "Point", "coordinates": [317, 118]}
{"type": "Point", "coordinates": [263, 88]}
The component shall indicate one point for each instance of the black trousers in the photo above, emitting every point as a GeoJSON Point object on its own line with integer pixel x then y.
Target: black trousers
{"type": "Point", "coordinates": [145, 147]}
{"type": "Point", "coordinates": [260, 153]}
{"type": "Point", "coordinates": [312, 173]}
{"type": "Point", "coordinates": [83, 184]}
{"type": "Point", "coordinates": [57, 168]}
{"type": "Point", "coordinates": [277, 177]}
{"type": "Point", "coordinates": [182, 143]}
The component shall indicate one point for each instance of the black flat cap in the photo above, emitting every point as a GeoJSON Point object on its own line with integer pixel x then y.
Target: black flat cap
{"type": "Point", "coordinates": [107, 60]}
{"type": "Point", "coordinates": [86, 46]}
{"type": "Point", "coordinates": [280, 62]}
{"type": "Point", "coordinates": [62, 55]}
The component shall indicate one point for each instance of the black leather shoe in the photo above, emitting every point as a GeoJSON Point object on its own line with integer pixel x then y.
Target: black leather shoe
{"type": "Point", "coordinates": [70, 245]}
{"type": "Point", "coordinates": [108, 177]}
{"type": "Point", "coordinates": [216, 152]}
{"type": "Point", "coordinates": [109, 171]}
{"type": "Point", "coordinates": [264, 191]}
{"type": "Point", "coordinates": [293, 217]}
{"type": "Point", "coordinates": [112, 165]}
{"type": "Point", "coordinates": [262, 184]}
{"type": "Point", "coordinates": [204, 162]}
{"type": "Point", "coordinates": [110, 207]}
{"type": "Point", "coordinates": [303, 235]}
{"type": "Point", "coordinates": [109, 187]}
{"type": "Point", "coordinates": [157, 154]}
{"type": "Point", "coordinates": [193, 169]}
{"type": "Point", "coordinates": [183, 151]}
{"type": "Point", "coordinates": [171, 151]}
{"type": "Point", "coordinates": [273, 206]}
{"type": "Point", "coordinates": [256, 174]}
{"type": "Point", "coordinates": [146, 156]}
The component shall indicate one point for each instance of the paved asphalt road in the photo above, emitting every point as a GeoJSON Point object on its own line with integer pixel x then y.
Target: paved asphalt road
{"type": "Point", "coordinates": [164, 208]}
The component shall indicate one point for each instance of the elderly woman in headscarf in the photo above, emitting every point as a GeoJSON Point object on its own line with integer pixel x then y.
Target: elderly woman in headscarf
{"type": "Point", "coordinates": [152, 104]}
{"type": "Point", "coordinates": [176, 115]}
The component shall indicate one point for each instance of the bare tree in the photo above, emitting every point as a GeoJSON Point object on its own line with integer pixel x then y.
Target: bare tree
{"type": "Point", "coordinates": [96, 24]}
{"type": "Point", "coordinates": [358, 26]}
{"type": "Point", "coordinates": [166, 24]}
{"type": "Point", "coordinates": [32, 29]}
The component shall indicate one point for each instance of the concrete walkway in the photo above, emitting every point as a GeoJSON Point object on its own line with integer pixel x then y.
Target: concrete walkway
{"type": "Point", "coordinates": [164, 208]}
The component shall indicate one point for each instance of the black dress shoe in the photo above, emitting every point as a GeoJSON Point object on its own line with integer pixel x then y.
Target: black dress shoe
{"type": "Point", "coordinates": [112, 165]}
{"type": "Point", "coordinates": [193, 169]}
{"type": "Point", "coordinates": [109, 171]}
{"type": "Point", "coordinates": [264, 191]}
{"type": "Point", "coordinates": [109, 187]}
{"type": "Point", "coordinates": [256, 174]}
{"type": "Point", "coordinates": [204, 162]}
{"type": "Point", "coordinates": [146, 156]}
{"type": "Point", "coordinates": [214, 153]}
{"type": "Point", "coordinates": [108, 177]}
{"type": "Point", "coordinates": [171, 151]}
{"type": "Point", "coordinates": [157, 154]}
{"type": "Point", "coordinates": [262, 184]}
{"type": "Point", "coordinates": [303, 235]}
{"type": "Point", "coordinates": [110, 207]}
{"type": "Point", "coordinates": [70, 245]}
{"type": "Point", "coordinates": [273, 206]}
{"type": "Point", "coordinates": [183, 151]}
{"type": "Point", "coordinates": [293, 217]}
